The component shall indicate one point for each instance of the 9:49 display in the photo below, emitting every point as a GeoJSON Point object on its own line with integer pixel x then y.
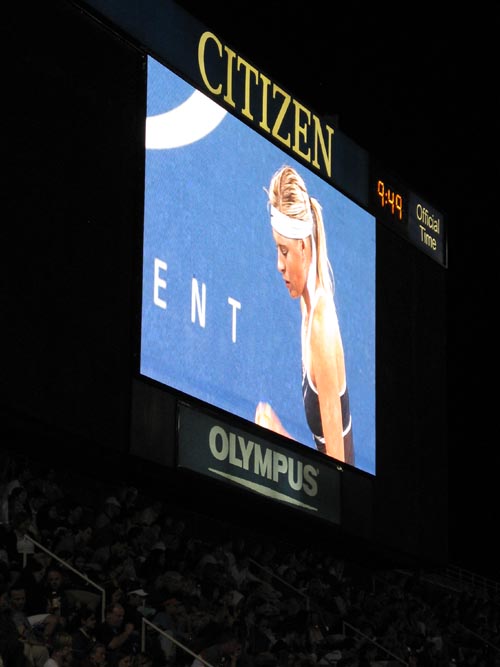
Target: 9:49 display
{"type": "Point", "coordinates": [391, 199]}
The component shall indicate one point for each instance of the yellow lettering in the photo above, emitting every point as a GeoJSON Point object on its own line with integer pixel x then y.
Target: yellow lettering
{"type": "Point", "coordinates": [228, 97]}
{"type": "Point", "coordinates": [265, 93]}
{"type": "Point", "coordinates": [281, 114]}
{"type": "Point", "coordinates": [201, 60]}
{"type": "Point", "coordinates": [427, 239]}
{"type": "Point", "coordinates": [301, 130]}
{"type": "Point", "coordinates": [325, 151]}
{"type": "Point", "coordinates": [249, 70]}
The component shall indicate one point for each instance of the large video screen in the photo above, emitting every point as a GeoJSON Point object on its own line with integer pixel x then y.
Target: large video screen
{"type": "Point", "coordinates": [225, 314]}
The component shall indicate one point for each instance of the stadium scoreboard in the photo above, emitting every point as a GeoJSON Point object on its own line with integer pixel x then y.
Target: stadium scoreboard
{"type": "Point", "coordinates": [209, 323]}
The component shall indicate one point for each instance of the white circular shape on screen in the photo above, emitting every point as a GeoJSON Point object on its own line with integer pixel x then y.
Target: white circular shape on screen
{"type": "Point", "coordinates": [192, 120]}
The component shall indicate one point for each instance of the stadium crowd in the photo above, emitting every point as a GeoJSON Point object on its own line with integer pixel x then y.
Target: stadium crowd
{"type": "Point", "coordinates": [104, 575]}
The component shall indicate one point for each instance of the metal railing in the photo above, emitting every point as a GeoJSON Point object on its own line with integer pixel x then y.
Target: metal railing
{"type": "Point", "coordinates": [148, 623]}
{"type": "Point", "coordinates": [357, 631]}
{"type": "Point", "coordinates": [69, 567]}
{"type": "Point", "coordinates": [283, 582]}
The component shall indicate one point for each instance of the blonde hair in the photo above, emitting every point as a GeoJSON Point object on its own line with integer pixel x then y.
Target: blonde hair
{"type": "Point", "coordinates": [61, 641]}
{"type": "Point", "coordinates": [288, 193]}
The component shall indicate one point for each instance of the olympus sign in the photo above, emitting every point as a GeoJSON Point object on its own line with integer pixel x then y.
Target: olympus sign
{"type": "Point", "coordinates": [262, 461]}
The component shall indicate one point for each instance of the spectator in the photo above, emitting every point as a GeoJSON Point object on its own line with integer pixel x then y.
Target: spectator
{"type": "Point", "coordinates": [84, 638]}
{"type": "Point", "coordinates": [106, 530]}
{"type": "Point", "coordinates": [121, 659]}
{"type": "Point", "coordinates": [262, 637]}
{"type": "Point", "coordinates": [83, 536]}
{"type": "Point", "coordinates": [21, 473]}
{"type": "Point", "coordinates": [61, 651]}
{"type": "Point", "coordinates": [82, 562]}
{"type": "Point", "coordinates": [34, 631]}
{"type": "Point", "coordinates": [50, 486]}
{"type": "Point", "coordinates": [115, 633]}
{"type": "Point", "coordinates": [14, 539]}
{"type": "Point", "coordinates": [65, 543]}
{"type": "Point", "coordinates": [11, 647]}
{"type": "Point", "coordinates": [37, 502]}
{"type": "Point", "coordinates": [30, 578]}
{"type": "Point", "coordinates": [96, 657]}
{"type": "Point", "coordinates": [136, 609]}
{"type": "Point", "coordinates": [111, 509]}
{"type": "Point", "coordinates": [49, 518]}
{"type": "Point", "coordinates": [226, 651]}
{"type": "Point", "coordinates": [173, 619]}
{"type": "Point", "coordinates": [115, 593]}
{"type": "Point", "coordinates": [135, 606]}
{"type": "Point", "coordinates": [53, 589]}
{"type": "Point", "coordinates": [154, 563]}
{"type": "Point", "coordinates": [74, 514]}
{"type": "Point", "coordinates": [120, 564]}
{"type": "Point", "coordinates": [151, 512]}
{"type": "Point", "coordinates": [128, 497]}
{"type": "Point", "coordinates": [143, 660]}
{"type": "Point", "coordinates": [18, 502]}
{"type": "Point", "coordinates": [240, 572]}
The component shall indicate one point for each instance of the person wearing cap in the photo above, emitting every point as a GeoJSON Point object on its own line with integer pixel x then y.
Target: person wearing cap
{"type": "Point", "coordinates": [299, 235]}
{"type": "Point", "coordinates": [136, 609]}
{"type": "Point", "coordinates": [135, 606]}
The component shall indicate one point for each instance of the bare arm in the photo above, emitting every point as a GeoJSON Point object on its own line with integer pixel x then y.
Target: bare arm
{"type": "Point", "coordinates": [328, 372]}
{"type": "Point", "coordinates": [120, 639]}
{"type": "Point", "coordinates": [267, 417]}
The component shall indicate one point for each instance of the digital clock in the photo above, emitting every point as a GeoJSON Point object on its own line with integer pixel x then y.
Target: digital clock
{"type": "Point", "coordinates": [390, 200]}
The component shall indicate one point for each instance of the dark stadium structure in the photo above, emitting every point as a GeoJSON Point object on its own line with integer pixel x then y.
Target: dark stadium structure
{"type": "Point", "coordinates": [71, 390]}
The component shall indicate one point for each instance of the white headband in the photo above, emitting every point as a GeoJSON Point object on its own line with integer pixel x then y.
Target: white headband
{"type": "Point", "coordinates": [292, 228]}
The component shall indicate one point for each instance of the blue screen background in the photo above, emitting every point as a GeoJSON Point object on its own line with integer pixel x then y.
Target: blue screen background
{"type": "Point", "coordinates": [206, 217]}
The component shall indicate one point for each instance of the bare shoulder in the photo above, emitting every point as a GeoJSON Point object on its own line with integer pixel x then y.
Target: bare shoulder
{"type": "Point", "coordinates": [325, 323]}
